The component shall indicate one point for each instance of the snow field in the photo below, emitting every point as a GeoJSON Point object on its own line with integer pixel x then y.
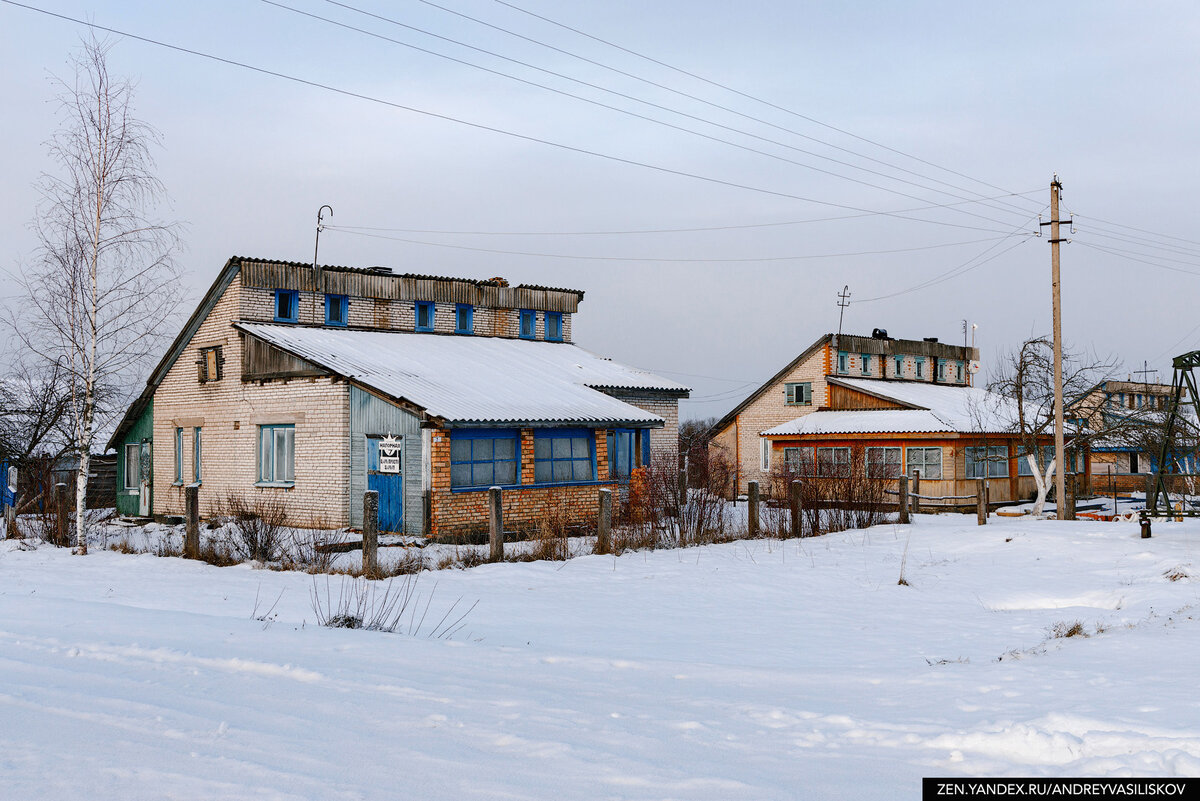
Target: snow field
{"type": "Point", "coordinates": [750, 670]}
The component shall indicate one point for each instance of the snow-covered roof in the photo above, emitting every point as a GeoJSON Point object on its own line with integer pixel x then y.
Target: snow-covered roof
{"type": "Point", "coordinates": [477, 380]}
{"type": "Point", "coordinates": [931, 408]}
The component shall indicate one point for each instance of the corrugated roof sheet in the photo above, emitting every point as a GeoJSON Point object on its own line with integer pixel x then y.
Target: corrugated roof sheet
{"type": "Point", "coordinates": [934, 408]}
{"type": "Point", "coordinates": [486, 380]}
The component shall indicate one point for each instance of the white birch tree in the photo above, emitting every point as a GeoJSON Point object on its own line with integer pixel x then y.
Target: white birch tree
{"type": "Point", "coordinates": [103, 282]}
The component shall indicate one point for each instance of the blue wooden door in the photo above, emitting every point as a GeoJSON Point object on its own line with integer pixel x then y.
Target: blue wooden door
{"type": "Point", "coordinates": [386, 477]}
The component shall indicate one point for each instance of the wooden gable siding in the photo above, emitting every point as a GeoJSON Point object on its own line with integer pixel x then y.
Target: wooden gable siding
{"type": "Point", "coordinates": [842, 398]}
{"type": "Point", "coordinates": [265, 275]}
{"type": "Point", "coordinates": [262, 361]}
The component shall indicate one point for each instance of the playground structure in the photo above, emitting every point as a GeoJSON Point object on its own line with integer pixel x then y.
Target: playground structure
{"type": "Point", "coordinates": [1167, 478]}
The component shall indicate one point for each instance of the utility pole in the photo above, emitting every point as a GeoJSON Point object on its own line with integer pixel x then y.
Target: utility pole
{"type": "Point", "coordinates": [1060, 492]}
{"type": "Point", "coordinates": [843, 302]}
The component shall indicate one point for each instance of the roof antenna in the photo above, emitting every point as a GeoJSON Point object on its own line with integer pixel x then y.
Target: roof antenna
{"type": "Point", "coordinates": [317, 244]}
{"type": "Point", "coordinates": [843, 302]}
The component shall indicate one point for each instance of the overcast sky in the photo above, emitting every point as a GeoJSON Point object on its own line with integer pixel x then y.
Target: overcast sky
{"type": "Point", "coordinates": [870, 112]}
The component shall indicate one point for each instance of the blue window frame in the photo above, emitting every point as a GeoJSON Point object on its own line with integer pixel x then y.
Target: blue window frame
{"type": "Point", "coordinates": [627, 448]}
{"type": "Point", "coordinates": [423, 312]}
{"type": "Point", "coordinates": [178, 455]}
{"type": "Point", "coordinates": [843, 361]}
{"type": "Point", "coordinates": [528, 324]}
{"type": "Point", "coordinates": [337, 310]}
{"type": "Point", "coordinates": [484, 457]}
{"type": "Point", "coordinates": [277, 454]}
{"type": "Point", "coordinates": [919, 364]}
{"type": "Point", "coordinates": [196, 454]}
{"type": "Point", "coordinates": [799, 393]}
{"type": "Point", "coordinates": [287, 305]}
{"type": "Point", "coordinates": [464, 318]}
{"type": "Point", "coordinates": [866, 363]}
{"type": "Point", "coordinates": [553, 332]}
{"type": "Point", "coordinates": [899, 366]}
{"type": "Point", "coordinates": [564, 454]}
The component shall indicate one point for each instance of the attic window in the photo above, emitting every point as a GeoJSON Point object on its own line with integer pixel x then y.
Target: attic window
{"type": "Point", "coordinates": [211, 364]}
{"type": "Point", "coordinates": [554, 328]}
{"type": "Point", "coordinates": [528, 324]}
{"type": "Point", "coordinates": [287, 306]}
{"type": "Point", "coordinates": [424, 315]}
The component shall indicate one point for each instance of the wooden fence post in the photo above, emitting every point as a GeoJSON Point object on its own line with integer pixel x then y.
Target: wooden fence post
{"type": "Point", "coordinates": [903, 505]}
{"type": "Point", "coordinates": [1069, 501]}
{"type": "Point", "coordinates": [1150, 487]}
{"type": "Point", "coordinates": [370, 534]}
{"type": "Point", "coordinates": [191, 529]}
{"type": "Point", "coordinates": [752, 499]}
{"type": "Point", "coordinates": [795, 504]}
{"type": "Point", "coordinates": [604, 523]}
{"type": "Point", "coordinates": [495, 525]}
{"type": "Point", "coordinates": [981, 501]}
{"type": "Point", "coordinates": [916, 492]}
{"type": "Point", "coordinates": [63, 518]}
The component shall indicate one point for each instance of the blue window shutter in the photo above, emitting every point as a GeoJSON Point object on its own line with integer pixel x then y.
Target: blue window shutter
{"type": "Point", "coordinates": [646, 447]}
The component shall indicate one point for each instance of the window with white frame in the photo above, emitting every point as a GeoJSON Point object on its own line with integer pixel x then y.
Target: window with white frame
{"type": "Point", "coordinates": [926, 460]}
{"type": "Point", "coordinates": [987, 461]}
{"type": "Point", "coordinates": [883, 462]}
{"type": "Point", "coordinates": [919, 365]}
{"type": "Point", "coordinates": [833, 462]}
{"type": "Point", "coordinates": [899, 366]}
{"type": "Point", "coordinates": [764, 457]}
{"type": "Point", "coordinates": [799, 393]}
{"type": "Point", "coordinates": [277, 454]}
{"type": "Point", "coordinates": [178, 455]}
{"type": "Point", "coordinates": [133, 465]}
{"type": "Point", "coordinates": [196, 454]}
{"type": "Point", "coordinates": [865, 358]}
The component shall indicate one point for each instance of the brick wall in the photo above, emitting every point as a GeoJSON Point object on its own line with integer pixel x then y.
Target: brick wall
{"type": "Point", "coordinates": [229, 413]}
{"type": "Point", "coordinates": [466, 512]}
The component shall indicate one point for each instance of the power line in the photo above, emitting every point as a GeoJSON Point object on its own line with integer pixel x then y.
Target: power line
{"type": "Point", "coordinates": [1126, 255]}
{"type": "Point", "coordinates": [738, 93]}
{"type": "Point", "coordinates": [637, 231]}
{"type": "Point", "coordinates": [475, 125]}
{"type": "Point", "coordinates": [656, 259]}
{"type": "Point", "coordinates": [665, 88]}
{"type": "Point", "coordinates": [627, 112]}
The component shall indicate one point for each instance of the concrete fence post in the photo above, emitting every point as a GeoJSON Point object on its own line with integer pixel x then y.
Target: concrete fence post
{"type": "Point", "coordinates": [981, 501]}
{"type": "Point", "coordinates": [370, 533]}
{"type": "Point", "coordinates": [795, 505]}
{"type": "Point", "coordinates": [604, 523]}
{"type": "Point", "coordinates": [916, 492]}
{"type": "Point", "coordinates": [495, 525]}
{"type": "Point", "coordinates": [191, 528]}
{"type": "Point", "coordinates": [752, 500]}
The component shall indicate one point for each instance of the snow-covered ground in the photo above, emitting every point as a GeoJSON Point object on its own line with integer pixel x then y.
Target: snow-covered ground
{"type": "Point", "coordinates": [751, 670]}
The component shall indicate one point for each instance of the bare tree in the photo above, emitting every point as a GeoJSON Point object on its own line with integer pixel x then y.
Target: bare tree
{"type": "Point", "coordinates": [103, 282]}
{"type": "Point", "coordinates": [1026, 380]}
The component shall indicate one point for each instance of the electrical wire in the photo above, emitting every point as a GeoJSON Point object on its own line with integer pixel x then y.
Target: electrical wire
{"type": "Point", "coordinates": [475, 125]}
{"type": "Point", "coordinates": [639, 231]}
{"type": "Point", "coordinates": [627, 112]}
{"type": "Point", "coordinates": [1125, 255]}
{"type": "Point", "coordinates": [656, 259]}
{"type": "Point", "coordinates": [733, 91]}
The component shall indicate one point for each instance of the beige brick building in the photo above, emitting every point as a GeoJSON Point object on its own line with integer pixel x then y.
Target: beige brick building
{"type": "Point", "coordinates": [309, 387]}
{"type": "Point", "coordinates": [802, 387]}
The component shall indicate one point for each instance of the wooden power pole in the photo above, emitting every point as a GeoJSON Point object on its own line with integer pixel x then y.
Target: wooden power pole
{"type": "Point", "coordinates": [1060, 493]}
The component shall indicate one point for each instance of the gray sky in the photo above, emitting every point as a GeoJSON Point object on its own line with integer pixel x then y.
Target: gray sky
{"type": "Point", "coordinates": [1002, 94]}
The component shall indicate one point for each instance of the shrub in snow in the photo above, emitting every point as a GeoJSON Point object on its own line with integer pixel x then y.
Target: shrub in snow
{"type": "Point", "coordinates": [359, 603]}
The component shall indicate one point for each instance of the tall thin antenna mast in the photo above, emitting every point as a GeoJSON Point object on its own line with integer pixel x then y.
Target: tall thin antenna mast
{"type": "Point", "coordinates": [843, 302]}
{"type": "Point", "coordinates": [317, 264]}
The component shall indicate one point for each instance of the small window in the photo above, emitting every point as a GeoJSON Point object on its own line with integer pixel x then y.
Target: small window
{"type": "Point", "coordinates": [883, 462]}
{"type": "Point", "coordinates": [927, 460]}
{"type": "Point", "coordinates": [484, 458]}
{"type": "Point", "coordinates": [920, 367]}
{"type": "Point", "coordinates": [833, 462]}
{"type": "Point", "coordinates": [866, 363]}
{"type": "Point", "coordinates": [798, 461]}
{"type": "Point", "coordinates": [196, 454]}
{"type": "Point", "coordinates": [337, 310]}
{"type": "Point", "coordinates": [424, 315]}
{"type": "Point", "coordinates": [178, 455]}
{"type": "Point", "coordinates": [554, 331]}
{"type": "Point", "coordinates": [211, 364]}
{"type": "Point", "coordinates": [528, 324]}
{"type": "Point", "coordinates": [958, 372]}
{"type": "Point", "coordinates": [276, 454]}
{"type": "Point", "coordinates": [287, 305]}
{"type": "Point", "coordinates": [561, 455]}
{"type": "Point", "coordinates": [765, 456]}
{"type": "Point", "coordinates": [464, 319]}
{"type": "Point", "coordinates": [843, 362]}
{"type": "Point", "coordinates": [799, 394]}
{"type": "Point", "coordinates": [899, 366]}
{"type": "Point", "coordinates": [133, 465]}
